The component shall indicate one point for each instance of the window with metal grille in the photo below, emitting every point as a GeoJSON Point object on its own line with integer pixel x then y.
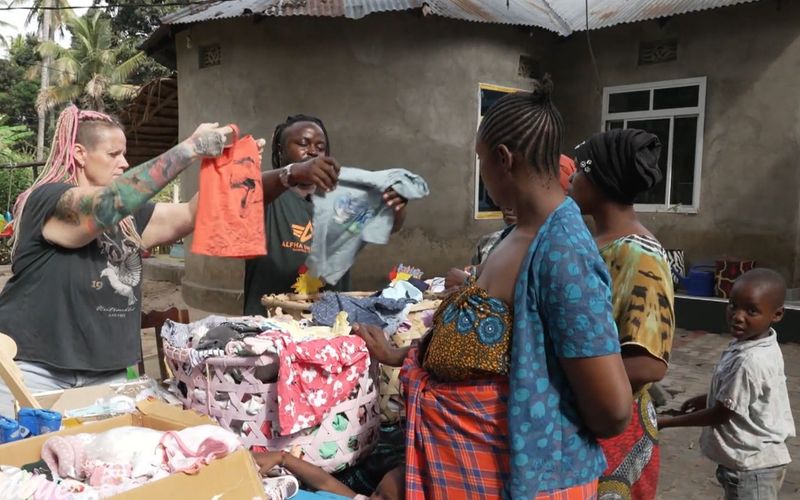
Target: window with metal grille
{"type": "Point", "coordinates": [658, 51]}
{"type": "Point", "coordinates": [674, 111]}
{"type": "Point", "coordinates": [210, 55]}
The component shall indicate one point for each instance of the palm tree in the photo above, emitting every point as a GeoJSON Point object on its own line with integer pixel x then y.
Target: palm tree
{"type": "Point", "coordinates": [3, 24]}
{"type": "Point", "coordinates": [50, 20]}
{"type": "Point", "coordinates": [37, 11]}
{"type": "Point", "coordinates": [89, 70]}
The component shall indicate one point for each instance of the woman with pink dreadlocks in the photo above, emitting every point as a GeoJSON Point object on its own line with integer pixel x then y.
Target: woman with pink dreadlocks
{"type": "Point", "coordinates": [73, 303]}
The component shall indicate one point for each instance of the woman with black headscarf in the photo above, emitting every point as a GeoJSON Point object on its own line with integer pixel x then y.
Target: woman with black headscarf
{"type": "Point", "coordinates": [613, 168]}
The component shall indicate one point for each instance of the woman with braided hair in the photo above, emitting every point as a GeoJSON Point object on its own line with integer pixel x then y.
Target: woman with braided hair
{"type": "Point", "coordinates": [520, 373]}
{"type": "Point", "coordinates": [73, 304]}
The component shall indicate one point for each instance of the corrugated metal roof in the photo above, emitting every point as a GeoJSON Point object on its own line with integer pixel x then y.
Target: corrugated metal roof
{"type": "Point", "coordinates": [605, 13]}
{"type": "Point", "coordinates": [352, 9]}
{"type": "Point", "coordinates": [561, 16]}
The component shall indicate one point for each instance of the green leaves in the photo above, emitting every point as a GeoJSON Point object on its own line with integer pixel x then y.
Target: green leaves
{"type": "Point", "coordinates": [91, 69]}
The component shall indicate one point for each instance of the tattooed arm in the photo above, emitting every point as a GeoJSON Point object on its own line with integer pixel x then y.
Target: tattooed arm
{"type": "Point", "coordinates": [83, 212]}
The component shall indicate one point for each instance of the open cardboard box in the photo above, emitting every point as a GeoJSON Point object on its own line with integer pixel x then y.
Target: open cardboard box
{"type": "Point", "coordinates": [234, 477]}
{"type": "Point", "coordinates": [81, 397]}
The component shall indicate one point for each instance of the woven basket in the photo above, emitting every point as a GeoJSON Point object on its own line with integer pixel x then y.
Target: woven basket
{"type": "Point", "coordinates": [226, 402]}
{"type": "Point", "coordinates": [392, 405]}
{"type": "Point", "coordinates": [297, 305]}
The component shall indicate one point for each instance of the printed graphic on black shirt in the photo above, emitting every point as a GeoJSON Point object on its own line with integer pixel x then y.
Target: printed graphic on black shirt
{"type": "Point", "coordinates": [124, 264]}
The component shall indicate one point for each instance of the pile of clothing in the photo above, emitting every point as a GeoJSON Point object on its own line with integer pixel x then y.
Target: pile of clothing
{"type": "Point", "coordinates": [315, 367]}
{"type": "Point", "coordinates": [94, 466]}
{"type": "Point", "coordinates": [387, 309]}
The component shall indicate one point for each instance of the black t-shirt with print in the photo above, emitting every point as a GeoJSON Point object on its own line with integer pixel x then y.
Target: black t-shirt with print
{"type": "Point", "coordinates": [75, 309]}
{"type": "Point", "coordinates": [289, 229]}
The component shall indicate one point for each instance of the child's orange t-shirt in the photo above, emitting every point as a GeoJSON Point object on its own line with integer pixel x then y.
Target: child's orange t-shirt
{"type": "Point", "coordinates": [230, 211]}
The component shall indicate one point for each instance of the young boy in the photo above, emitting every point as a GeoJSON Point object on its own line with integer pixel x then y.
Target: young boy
{"type": "Point", "coordinates": [746, 417]}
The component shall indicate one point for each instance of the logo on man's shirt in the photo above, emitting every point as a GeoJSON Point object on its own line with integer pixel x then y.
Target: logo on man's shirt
{"type": "Point", "coordinates": [304, 234]}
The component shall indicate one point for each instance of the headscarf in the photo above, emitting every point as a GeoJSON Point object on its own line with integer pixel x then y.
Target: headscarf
{"type": "Point", "coordinates": [567, 168]}
{"type": "Point", "coordinates": [621, 162]}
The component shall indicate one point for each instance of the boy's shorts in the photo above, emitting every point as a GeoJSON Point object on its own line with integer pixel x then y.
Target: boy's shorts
{"type": "Point", "coordinates": [758, 484]}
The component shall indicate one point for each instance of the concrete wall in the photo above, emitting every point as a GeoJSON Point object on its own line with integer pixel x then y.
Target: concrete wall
{"type": "Point", "coordinates": [751, 57]}
{"type": "Point", "coordinates": [394, 90]}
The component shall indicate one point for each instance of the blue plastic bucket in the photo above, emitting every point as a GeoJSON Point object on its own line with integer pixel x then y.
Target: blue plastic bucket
{"type": "Point", "coordinates": [699, 281]}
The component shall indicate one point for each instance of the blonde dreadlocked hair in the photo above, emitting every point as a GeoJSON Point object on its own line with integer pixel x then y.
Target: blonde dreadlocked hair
{"type": "Point", "coordinates": [62, 167]}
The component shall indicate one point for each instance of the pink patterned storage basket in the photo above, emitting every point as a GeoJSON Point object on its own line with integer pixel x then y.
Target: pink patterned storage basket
{"type": "Point", "coordinates": [347, 433]}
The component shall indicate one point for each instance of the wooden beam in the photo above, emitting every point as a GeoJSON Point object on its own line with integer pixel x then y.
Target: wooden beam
{"type": "Point", "coordinates": [154, 151]}
{"type": "Point", "coordinates": [156, 130]}
{"type": "Point", "coordinates": [137, 138]}
{"type": "Point", "coordinates": [151, 117]}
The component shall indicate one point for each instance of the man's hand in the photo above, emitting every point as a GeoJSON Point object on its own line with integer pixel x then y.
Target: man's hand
{"type": "Point", "coordinates": [398, 204]}
{"type": "Point", "coordinates": [320, 171]}
{"type": "Point", "coordinates": [394, 200]}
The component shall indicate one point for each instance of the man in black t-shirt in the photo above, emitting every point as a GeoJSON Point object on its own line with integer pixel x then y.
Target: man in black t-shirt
{"type": "Point", "coordinates": [73, 304]}
{"type": "Point", "coordinates": [297, 143]}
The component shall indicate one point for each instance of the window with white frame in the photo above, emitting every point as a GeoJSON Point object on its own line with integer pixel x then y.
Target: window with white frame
{"type": "Point", "coordinates": [674, 111]}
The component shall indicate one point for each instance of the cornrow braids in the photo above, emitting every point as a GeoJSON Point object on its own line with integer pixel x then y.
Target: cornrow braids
{"type": "Point", "coordinates": [277, 136]}
{"type": "Point", "coordinates": [527, 123]}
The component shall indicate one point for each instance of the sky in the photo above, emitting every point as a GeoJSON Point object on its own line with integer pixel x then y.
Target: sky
{"type": "Point", "coordinates": [17, 20]}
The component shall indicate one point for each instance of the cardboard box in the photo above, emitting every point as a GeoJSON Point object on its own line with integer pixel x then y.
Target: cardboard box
{"type": "Point", "coordinates": [81, 397]}
{"type": "Point", "coordinates": [234, 477]}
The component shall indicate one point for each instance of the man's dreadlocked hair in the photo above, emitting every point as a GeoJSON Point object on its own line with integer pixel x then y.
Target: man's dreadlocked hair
{"type": "Point", "coordinates": [527, 123]}
{"type": "Point", "coordinates": [74, 126]}
{"type": "Point", "coordinates": [277, 136]}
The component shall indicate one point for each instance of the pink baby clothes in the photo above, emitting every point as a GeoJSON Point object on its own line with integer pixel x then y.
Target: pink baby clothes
{"type": "Point", "coordinates": [68, 489]}
{"type": "Point", "coordinates": [65, 456]}
{"type": "Point", "coordinates": [103, 474]}
{"type": "Point", "coordinates": [186, 450]}
{"type": "Point", "coordinates": [316, 375]}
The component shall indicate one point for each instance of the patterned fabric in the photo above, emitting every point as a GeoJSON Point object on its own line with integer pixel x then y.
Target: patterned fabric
{"type": "Point", "coordinates": [677, 265]}
{"type": "Point", "coordinates": [470, 338]}
{"type": "Point", "coordinates": [643, 300]}
{"type": "Point", "coordinates": [314, 376]}
{"type": "Point", "coordinates": [642, 293]}
{"type": "Point", "coordinates": [726, 274]}
{"type": "Point", "coordinates": [457, 444]}
{"type": "Point", "coordinates": [586, 491]}
{"type": "Point", "coordinates": [456, 436]}
{"type": "Point", "coordinates": [562, 309]}
{"type": "Point", "coordinates": [633, 457]}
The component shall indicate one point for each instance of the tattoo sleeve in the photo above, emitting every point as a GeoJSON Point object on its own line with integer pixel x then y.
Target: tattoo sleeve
{"type": "Point", "coordinates": [65, 209]}
{"type": "Point", "coordinates": [136, 186]}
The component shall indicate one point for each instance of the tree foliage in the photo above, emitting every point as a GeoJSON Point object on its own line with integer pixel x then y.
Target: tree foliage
{"type": "Point", "coordinates": [91, 70]}
{"type": "Point", "coordinates": [17, 92]}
